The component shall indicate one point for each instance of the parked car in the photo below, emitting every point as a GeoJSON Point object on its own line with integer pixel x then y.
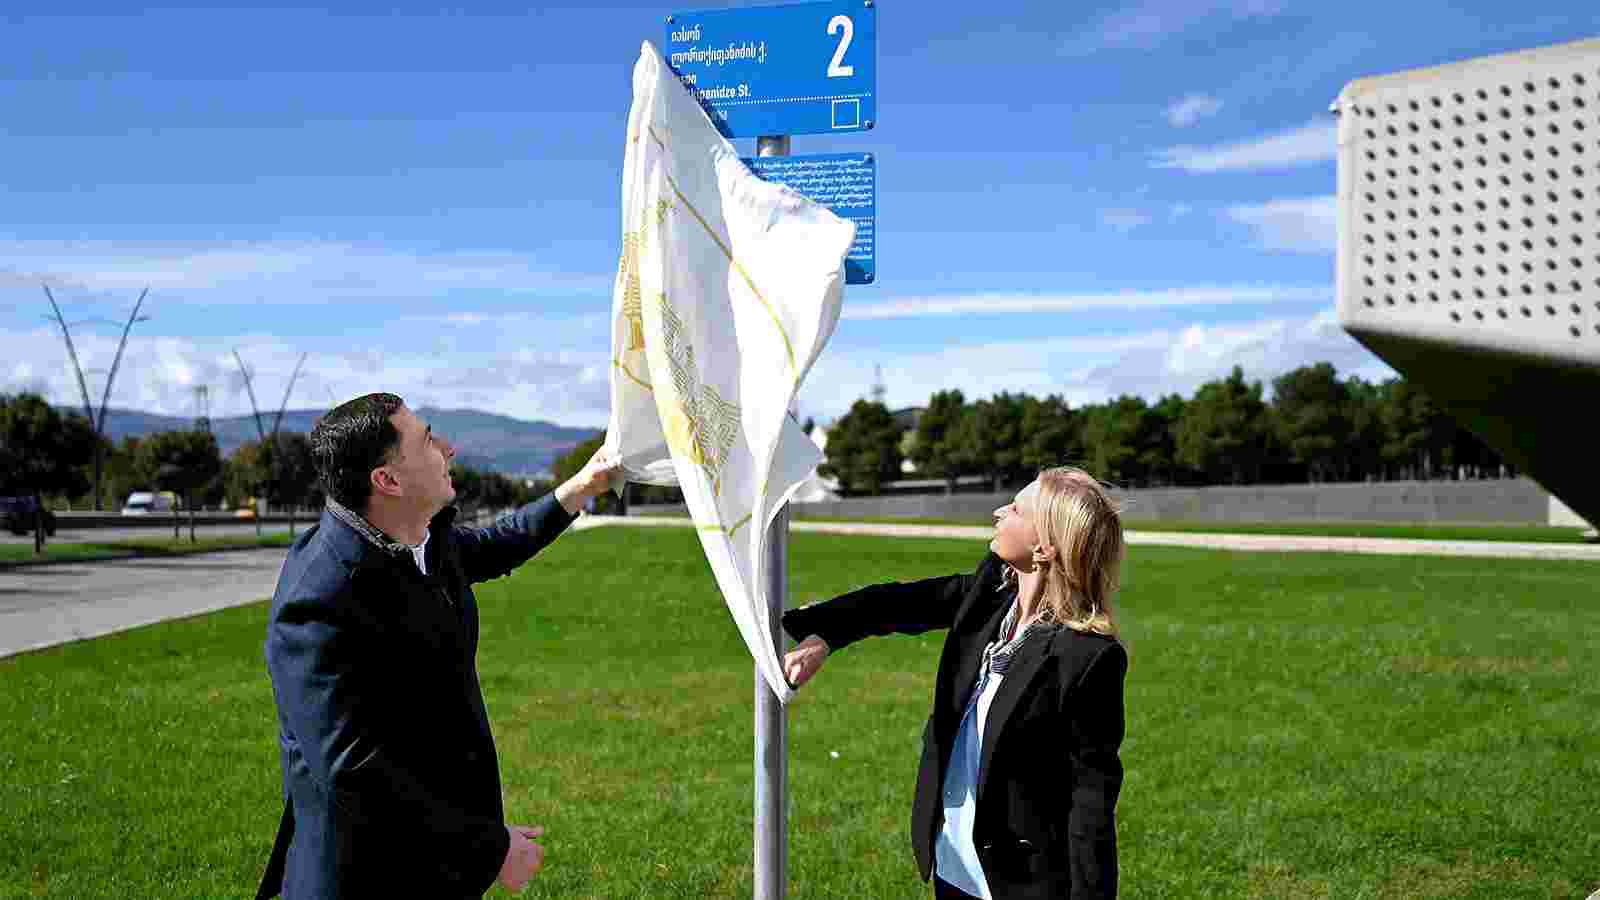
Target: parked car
{"type": "Point", "coordinates": [17, 515]}
{"type": "Point", "coordinates": [144, 503]}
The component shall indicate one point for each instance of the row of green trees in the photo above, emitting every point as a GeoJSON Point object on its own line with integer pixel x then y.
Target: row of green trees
{"type": "Point", "coordinates": [50, 454]}
{"type": "Point", "coordinates": [1316, 427]}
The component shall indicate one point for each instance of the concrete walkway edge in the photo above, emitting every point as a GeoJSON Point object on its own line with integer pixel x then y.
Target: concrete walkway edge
{"type": "Point", "coordinates": [1269, 543]}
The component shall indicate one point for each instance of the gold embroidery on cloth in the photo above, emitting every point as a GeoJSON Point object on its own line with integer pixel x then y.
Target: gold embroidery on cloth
{"type": "Point", "coordinates": [632, 310]}
{"type": "Point", "coordinates": [633, 246]}
{"type": "Point", "coordinates": [701, 425]}
{"type": "Point", "coordinates": [722, 245]}
{"type": "Point", "coordinates": [632, 292]}
{"type": "Point", "coordinates": [729, 531]}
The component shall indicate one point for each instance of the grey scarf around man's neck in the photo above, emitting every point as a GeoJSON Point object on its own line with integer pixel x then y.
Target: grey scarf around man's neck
{"type": "Point", "coordinates": [366, 529]}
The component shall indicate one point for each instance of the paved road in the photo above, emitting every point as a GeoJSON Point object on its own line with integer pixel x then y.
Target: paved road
{"type": "Point", "coordinates": [66, 534]}
{"type": "Point", "coordinates": [41, 606]}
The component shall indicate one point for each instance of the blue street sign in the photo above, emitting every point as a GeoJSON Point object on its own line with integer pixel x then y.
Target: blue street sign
{"type": "Point", "coordinates": [847, 184]}
{"type": "Point", "coordinates": [804, 68]}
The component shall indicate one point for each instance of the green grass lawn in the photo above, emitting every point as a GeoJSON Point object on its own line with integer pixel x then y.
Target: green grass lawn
{"type": "Point", "coordinates": [22, 554]}
{"type": "Point", "coordinates": [1300, 726]}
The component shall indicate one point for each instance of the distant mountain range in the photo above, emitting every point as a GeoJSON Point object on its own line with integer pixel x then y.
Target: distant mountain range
{"type": "Point", "coordinates": [482, 440]}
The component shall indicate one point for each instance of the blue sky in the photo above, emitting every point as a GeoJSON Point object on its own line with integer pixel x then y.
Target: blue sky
{"type": "Point", "coordinates": [1079, 198]}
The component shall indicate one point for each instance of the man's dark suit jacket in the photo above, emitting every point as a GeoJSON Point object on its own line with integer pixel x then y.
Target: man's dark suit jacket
{"type": "Point", "coordinates": [1049, 773]}
{"type": "Point", "coordinates": [390, 779]}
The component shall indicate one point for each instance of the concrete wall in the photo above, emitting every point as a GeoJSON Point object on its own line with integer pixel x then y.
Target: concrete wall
{"type": "Point", "coordinates": [1510, 501]}
{"type": "Point", "coordinates": [1505, 501]}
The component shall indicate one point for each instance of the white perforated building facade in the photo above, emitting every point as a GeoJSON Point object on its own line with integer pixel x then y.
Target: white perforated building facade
{"type": "Point", "coordinates": [1469, 247]}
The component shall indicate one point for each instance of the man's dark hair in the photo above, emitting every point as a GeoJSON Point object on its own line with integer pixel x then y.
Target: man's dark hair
{"type": "Point", "coordinates": [354, 438]}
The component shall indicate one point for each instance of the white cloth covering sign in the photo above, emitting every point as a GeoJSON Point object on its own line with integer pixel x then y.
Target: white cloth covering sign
{"type": "Point", "coordinates": [728, 288]}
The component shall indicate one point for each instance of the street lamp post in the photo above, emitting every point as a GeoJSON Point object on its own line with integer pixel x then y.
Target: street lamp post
{"type": "Point", "coordinates": [98, 422]}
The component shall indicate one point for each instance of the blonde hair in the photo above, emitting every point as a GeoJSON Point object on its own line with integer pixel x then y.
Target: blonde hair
{"type": "Point", "coordinates": [1075, 514]}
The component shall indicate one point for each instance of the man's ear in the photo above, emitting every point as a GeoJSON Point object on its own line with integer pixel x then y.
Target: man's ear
{"type": "Point", "coordinates": [384, 482]}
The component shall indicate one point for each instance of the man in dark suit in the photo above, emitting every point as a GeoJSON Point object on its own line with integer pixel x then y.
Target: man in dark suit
{"type": "Point", "coordinates": [390, 779]}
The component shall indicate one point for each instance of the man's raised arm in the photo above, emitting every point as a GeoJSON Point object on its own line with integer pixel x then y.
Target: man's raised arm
{"type": "Point", "coordinates": [512, 540]}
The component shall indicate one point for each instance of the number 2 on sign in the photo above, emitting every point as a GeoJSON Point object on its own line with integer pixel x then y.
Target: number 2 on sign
{"type": "Point", "coordinates": [847, 31]}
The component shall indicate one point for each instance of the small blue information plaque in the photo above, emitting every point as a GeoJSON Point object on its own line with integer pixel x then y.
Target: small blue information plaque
{"type": "Point", "coordinates": [801, 68]}
{"type": "Point", "coordinates": [847, 184]}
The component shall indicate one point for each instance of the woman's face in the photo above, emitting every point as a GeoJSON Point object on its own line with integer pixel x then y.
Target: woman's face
{"type": "Point", "coordinates": [1014, 533]}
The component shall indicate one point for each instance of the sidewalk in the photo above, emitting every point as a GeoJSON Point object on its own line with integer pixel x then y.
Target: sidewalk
{"type": "Point", "coordinates": [58, 603]}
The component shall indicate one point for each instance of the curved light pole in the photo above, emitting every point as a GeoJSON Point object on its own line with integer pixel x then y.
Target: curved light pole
{"type": "Point", "coordinates": [98, 422]}
{"type": "Point", "coordinates": [261, 431]}
{"type": "Point", "coordinates": [278, 419]}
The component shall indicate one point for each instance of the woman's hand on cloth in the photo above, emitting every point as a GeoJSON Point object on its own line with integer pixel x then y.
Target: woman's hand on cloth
{"type": "Point", "coordinates": [804, 660]}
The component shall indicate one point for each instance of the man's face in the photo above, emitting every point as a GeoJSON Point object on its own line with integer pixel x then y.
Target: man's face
{"type": "Point", "coordinates": [421, 463]}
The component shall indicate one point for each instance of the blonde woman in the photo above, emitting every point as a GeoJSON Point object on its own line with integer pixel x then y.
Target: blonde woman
{"type": "Point", "coordinates": [1017, 790]}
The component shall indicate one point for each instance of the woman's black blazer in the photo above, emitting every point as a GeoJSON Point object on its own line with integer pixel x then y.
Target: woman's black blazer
{"type": "Point", "coordinates": [1049, 774]}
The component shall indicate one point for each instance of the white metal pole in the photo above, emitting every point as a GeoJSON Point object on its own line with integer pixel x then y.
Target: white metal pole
{"type": "Point", "coordinates": [772, 728]}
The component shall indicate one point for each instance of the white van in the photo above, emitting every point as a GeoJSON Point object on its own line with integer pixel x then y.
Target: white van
{"type": "Point", "coordinates": [144, 503]}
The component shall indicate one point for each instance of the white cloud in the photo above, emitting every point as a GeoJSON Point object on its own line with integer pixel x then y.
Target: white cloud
{"type": "Point", "coordinates": [511, 377]}
{"type": "Point", "coordinates": [1311, 143]}
{"type": "Point", "coordinates": [1092, 370]}
{"type": "Point", "coordinates": [1124, 220]}
{"type": "Point", "coordinates": [525, 322]}
{"type": "Point", "coordinates": [1192, 109]}
{"type": "Point", "coordinates": [1299, 224]}
{"type": "Point", "coordinates": [990, 304]}
{"type": "Point", "coordinates": [157, 374]}
{"type": "Point", "coordinates": [1178, 211]}
{"type": "Point", "coordinates": [1147, 24]}
{"type": "Point", "coordinates": [484, 366]}
{"type": "Point", "coordinates": [1264, 350]}
{"type": "Point", "coordinates": [279, 272]}
{"type": "Point", "coordinates": [978, 370]}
